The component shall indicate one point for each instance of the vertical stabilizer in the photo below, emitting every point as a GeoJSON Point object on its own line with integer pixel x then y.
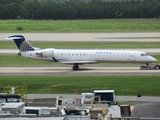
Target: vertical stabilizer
{"type": "Point", "coordinates": [22, 44]}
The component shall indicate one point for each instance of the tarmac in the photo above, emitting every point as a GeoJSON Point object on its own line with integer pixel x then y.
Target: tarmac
{"type": "Point", "coordinates": [143, 99]}
{"type": "Point", "coordinates": [90, 37]}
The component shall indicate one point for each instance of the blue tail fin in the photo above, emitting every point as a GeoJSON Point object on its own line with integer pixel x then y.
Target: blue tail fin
{"type": "Point", "coordinates": [22, 44]}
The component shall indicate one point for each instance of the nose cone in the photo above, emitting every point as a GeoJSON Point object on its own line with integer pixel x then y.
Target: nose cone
{"type": "Point", "coordinates": [152, 59]}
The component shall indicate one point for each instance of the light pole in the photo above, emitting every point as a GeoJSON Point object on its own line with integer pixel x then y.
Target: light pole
{"type": "Point", "coordinates": [139, 96]}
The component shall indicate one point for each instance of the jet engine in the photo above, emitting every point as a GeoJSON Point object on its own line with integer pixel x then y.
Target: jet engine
{"type": "Point", "coordinates": [45, 53]}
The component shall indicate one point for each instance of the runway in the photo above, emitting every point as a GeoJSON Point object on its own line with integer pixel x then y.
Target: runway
{"type": "Point", "coordinates": [83, 71]}
{"type": "Point", "coordinates": [91, 37]}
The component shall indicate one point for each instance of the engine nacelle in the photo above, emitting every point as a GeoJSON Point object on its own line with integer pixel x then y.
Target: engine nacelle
{"type": "Point", "coordinates": [45, 53]}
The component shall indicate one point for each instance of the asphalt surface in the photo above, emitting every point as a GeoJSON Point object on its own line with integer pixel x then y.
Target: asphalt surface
{"type": "Point", "coordinates": [83, 71]}
{"type": "Point", "coordinates": [92, 37]}
{"type": "Point", "coordinates": [118, 98]}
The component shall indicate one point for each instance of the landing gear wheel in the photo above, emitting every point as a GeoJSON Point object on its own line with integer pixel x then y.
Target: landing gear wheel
{"type": "Point", "coordinates": [75, 67]}
{"type": "Point", "coordinates": [157, 67]}
{"type": "Point", "coordinates": [141, 68]}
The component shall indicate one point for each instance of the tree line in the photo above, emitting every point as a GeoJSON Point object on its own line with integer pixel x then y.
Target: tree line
{"type": "Point", "coordinates": [78, 9]}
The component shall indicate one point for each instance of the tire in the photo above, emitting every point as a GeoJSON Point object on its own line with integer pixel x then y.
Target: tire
{"type": "Point", "coordinates": [157, 67]}
{"type": "Point", "coordinates": [141, 68]}
{"type": "Point", "coordinates": [75, 67]}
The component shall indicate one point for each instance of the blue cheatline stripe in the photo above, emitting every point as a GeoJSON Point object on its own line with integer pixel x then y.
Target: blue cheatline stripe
{"type": "Point", "coordinates": [55, 60]}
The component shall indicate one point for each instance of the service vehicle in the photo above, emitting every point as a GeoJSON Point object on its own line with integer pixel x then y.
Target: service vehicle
{"type": "Point", "coordinates": [156, 67]}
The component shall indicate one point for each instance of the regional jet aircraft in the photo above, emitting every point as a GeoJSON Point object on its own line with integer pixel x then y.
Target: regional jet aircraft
{"type": "Point", "coordinates": [77, 57]}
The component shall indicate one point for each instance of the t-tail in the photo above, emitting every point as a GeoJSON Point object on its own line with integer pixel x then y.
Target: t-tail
{"type": "Point", "coordinates": [22, 44]}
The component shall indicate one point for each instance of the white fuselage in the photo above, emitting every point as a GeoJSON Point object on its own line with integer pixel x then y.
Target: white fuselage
{"type": "Point", "coordinates": [72, 56]}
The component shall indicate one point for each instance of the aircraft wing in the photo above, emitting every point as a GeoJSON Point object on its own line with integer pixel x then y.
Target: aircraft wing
{"type": "Point", "coordinates": [72, 62]}
{"type": "Point", "coordinates": [77, 62]}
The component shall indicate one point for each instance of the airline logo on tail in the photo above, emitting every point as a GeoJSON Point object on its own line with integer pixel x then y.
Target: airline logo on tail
{"type": "Point", "coordinates": [25, 46]}
{"type": "Point", "coordinates": [21, 43]}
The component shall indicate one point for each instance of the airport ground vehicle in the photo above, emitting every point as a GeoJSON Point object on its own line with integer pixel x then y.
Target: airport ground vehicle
{"type": "Point", "coordinates": [105, 96]}
{"type": "Point", "coordinates": [156, 67]}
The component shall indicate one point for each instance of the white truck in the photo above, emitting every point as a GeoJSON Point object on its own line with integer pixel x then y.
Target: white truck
{"type": "Point", "coordinates": [119, 111]}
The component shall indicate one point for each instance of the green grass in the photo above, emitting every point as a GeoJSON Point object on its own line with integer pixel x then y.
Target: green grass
{"type": "Point", "coordinates": [146, 86]}
{"type": "Point", "coordinates": [104, 25]}
{"type": "Point", "coordinates": [10, 60]}
{"type": "Point", "coordinates": [81, 45]}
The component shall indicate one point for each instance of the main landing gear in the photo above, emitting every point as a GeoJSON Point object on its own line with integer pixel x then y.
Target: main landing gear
{"type": "Point", "coordinates": [75, 67]}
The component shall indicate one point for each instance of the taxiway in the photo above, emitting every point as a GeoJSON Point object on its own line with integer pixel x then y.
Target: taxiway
{"type": "Point", "coordinates": [91, 37]}
{"type": "Point", "coordinates": [119, 98]}
{"type": "Point", "coordinates": [83, 71]}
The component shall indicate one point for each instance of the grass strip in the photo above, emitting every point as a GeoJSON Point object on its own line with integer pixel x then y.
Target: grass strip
{"type": "Point", "coordinates": [102, 25]}
{"type": "Point", "coordinates": [144, 85]}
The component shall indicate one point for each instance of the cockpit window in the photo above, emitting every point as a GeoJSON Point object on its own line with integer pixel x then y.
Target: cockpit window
{"type": "Point", "coordinates": [144, 54]}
